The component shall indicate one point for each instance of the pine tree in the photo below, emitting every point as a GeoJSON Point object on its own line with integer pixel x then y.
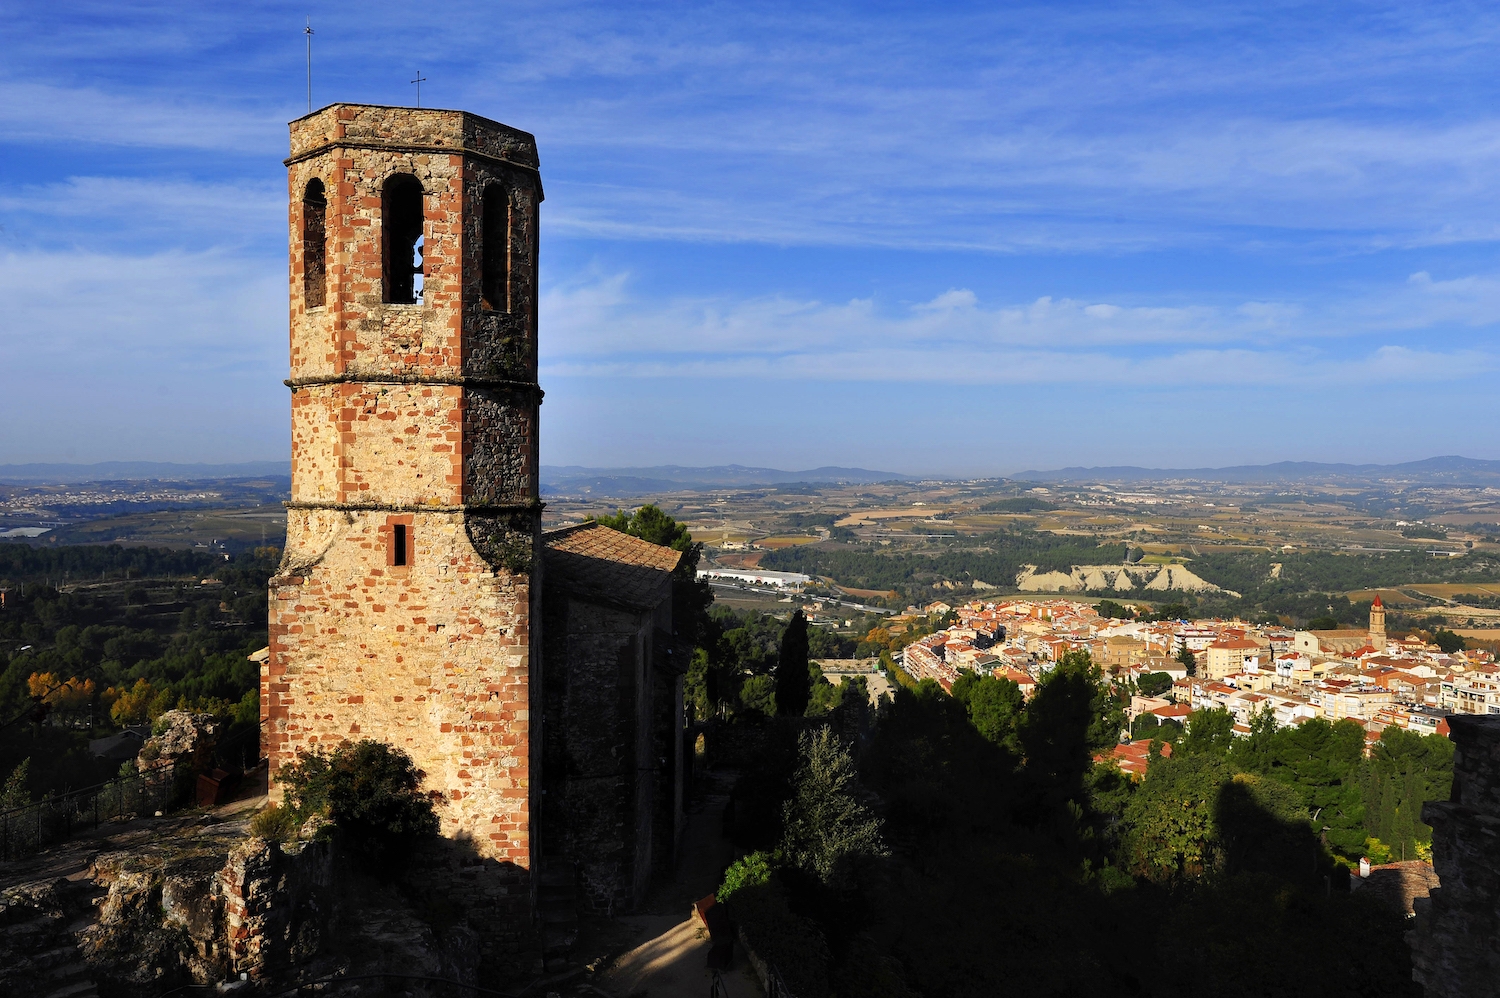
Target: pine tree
{"type": "Point", "coordinates": [793, 680]}
{"type": "Point", "coordinates": [828, 829]}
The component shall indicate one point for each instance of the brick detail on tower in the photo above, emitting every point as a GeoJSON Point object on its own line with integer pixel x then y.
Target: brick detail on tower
{"type": "Point", "coordinates": [404, 605]}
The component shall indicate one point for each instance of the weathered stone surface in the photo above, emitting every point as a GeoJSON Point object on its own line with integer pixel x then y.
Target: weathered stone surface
{"type": "Point", "coordinates": [143, 937]}
{"type": "Point", "coordinates": [278, 904]}
{"type": "Point", "coordinates": [35, 944]}
{"type": "Point", "coordinates": [194, 904]}
{"type": "Point", "coordinates": [185, 737]}
{"type": "Point", "coordinates": [1454, 945]}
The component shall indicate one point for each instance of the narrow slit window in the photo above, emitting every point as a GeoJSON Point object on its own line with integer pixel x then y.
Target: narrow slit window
{"type": "Point", "coordinates": [398, 544]}
{"type": "Point", "coordinates": [401, 215]}
{"type": "Point", "coordinates": [495, 244]}
{"type": "Point", "coordinates": [314, 245]}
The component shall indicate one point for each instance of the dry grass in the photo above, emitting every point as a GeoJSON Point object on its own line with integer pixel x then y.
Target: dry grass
{"type": "Point", "coordinates": [1390, 597]}
{"type": "Point", "coordinates": [773, 543]}
{"type": "Point", "coordinates": [1448, 590]}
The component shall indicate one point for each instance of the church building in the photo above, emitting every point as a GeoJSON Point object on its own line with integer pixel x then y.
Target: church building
{"type": "Point", "coordinates": [533, 677]}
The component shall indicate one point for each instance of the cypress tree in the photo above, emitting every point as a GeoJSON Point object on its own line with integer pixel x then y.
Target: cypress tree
{"type": "Point", "coordinates": [793, 680]}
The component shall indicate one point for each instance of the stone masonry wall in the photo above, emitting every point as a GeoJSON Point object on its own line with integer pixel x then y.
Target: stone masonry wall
{"type": "Point", "coordinates": [1454, 945]}
{"type": "Point", "coordinates": [419, 417]}
{"type": "Point", "coordinates": [591, 765]}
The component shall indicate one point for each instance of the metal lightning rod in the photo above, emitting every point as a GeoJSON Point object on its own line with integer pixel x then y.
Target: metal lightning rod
{"type": "Point", "coordinates": [308, 31]}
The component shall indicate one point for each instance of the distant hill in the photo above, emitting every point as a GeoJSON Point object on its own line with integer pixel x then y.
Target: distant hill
{"type": "Point", "coordinates": [1452, 470]}
{"type": "Point", "coordinates": [125, 471]}
{"type": "Point", "coordinates": [573, 479]}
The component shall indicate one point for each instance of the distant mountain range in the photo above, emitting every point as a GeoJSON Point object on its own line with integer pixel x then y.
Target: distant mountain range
{"type": "Point", "coordinates": [125, 471]}
{"type": "Point", "coordinates": [574, 480]}
{"type": "Point", "coordinates": [1450, 470]}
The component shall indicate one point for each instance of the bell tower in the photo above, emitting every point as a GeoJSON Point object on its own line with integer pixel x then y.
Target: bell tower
{"type": "Point", "coordinates": [1377, 625]}
{"type": "Point", "coordinates": [403, 609]}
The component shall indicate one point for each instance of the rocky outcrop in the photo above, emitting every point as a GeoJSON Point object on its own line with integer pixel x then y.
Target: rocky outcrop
{"type": "Point", "coordinates": [183, 737]}
{"type": "Point", "coordinates": [181, 901]}
{"type": "Point", "coordinates": [1453, 945]}
{"type": "Point", "coordinates": [159, 923]}
{"type": "Point", "coordinates": [1115, 578]}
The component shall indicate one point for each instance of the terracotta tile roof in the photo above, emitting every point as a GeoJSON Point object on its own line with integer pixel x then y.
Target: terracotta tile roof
{"type": "Point", "coordinates": [599, 563]}
{"type": "Point", "coordinates": [1397, 884]}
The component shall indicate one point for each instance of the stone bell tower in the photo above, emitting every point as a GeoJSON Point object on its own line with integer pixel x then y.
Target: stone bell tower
{"type": "Point", "coordinates": [403, 609]}
{"type": "Point", "coordinates": [1377, 625]}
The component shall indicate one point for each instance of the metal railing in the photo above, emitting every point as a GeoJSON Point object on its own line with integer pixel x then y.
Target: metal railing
{"type": "Point", "coordinates": [32, 827]}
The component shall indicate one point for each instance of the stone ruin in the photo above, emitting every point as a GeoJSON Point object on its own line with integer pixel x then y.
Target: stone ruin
{"type": "Point", "coordinates": [1456, 942]}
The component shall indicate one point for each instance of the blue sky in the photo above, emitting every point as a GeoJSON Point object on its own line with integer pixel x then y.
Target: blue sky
{"type": "Point", "coordinates": [967, 240]}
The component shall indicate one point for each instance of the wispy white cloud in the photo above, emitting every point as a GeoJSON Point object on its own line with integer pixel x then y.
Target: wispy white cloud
{"type": "Point", "coordinates": [51, 114]}
{"type": "Point", "coordinates": [172, 356]}
{"type": "Point", "coordinates": [598, 329]}
{"type": "Point", "coordinates": [1000, 129]}
{"type": "Point", "coordinates": [144, 215]}
{"type": "Point", "coordinates": [105, 315]}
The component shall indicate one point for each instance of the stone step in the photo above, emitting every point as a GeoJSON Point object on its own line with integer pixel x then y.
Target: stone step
{"type": "Point", "coordinates": [32, 926]}
{"type": "Point", "coordinates": [558, 939]}
{"type": "Point", "coordinates": [56, 955]}
{"type": "Point", "coordinates": [67, 973]}
{"type": "Point", "coordinates": [79, 989]}
{"type": "Point", "coordinates": [557, 878]}
{"type": "Point", "coordinates": [559, 915]}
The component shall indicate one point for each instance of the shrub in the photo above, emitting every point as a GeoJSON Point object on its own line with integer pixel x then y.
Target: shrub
{"type": "Point", "coordinates": [794, 945]}
{"type": "Point", "coordinates": [371, 794]}
{"type": "Point", "coordinates": [275, 824]}
{"type": "Point", "coordinates": [753, 870]}
{"type": "Point", "coordinates": [14, 793]}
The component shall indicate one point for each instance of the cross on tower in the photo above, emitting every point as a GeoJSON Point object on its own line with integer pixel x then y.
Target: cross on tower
{"type": "Point", "coordinates": [419, 81]}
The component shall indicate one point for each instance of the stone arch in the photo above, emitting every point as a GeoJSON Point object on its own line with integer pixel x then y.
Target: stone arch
{"type": "Point", "coordinates": [401, 225]}
{"type": "Point", "coordinates": [314, 244]}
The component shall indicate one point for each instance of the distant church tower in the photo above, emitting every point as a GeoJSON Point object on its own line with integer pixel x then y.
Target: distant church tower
{"type": "Point", "coordinates": [1377, 625]}
{"type": "Point", "coordinates": [403, 609]}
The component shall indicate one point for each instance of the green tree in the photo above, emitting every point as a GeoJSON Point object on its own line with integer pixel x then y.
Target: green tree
{"type": "Point", "coordinates": [828, 830]}
{"type": "Point", "coordinates": [1256, 752]}
{"type": "Point", "coordinates": [1262, 827]}
{"type": "Point", "coordinates": [793, 683]}
{"type": "Point", "coordinates": [1404, 770]}
{"type": "Point", "coordinates": [825, 696]}
{"type": "Point", "coordinates": [1172, 832]}
{"type": "Point", "coordinates": [14, 793]}
{"type": "Point", "coordinates": [758, 695]}
{"type": "Point", "coordinates": [1071, 716]}
{"type": "Point", "coordinates": [1448, 641]}
{"type": "Point", "coordinates": [1209, 732]}
{"type": "Point", "coordinates": [1189, 662]}
{"type": "Point", "coordinates": [1154, 684]}
{"type": "Point", "coordinates": [649, 523]}
{"type": "Point", "coordinates": [995, 707]}
{"type": "Point", "coordinates": [1323, 761]}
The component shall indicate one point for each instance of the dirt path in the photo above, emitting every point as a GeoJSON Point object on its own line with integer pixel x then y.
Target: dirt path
{"type": "Point", "coordinates": [668, 950]}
